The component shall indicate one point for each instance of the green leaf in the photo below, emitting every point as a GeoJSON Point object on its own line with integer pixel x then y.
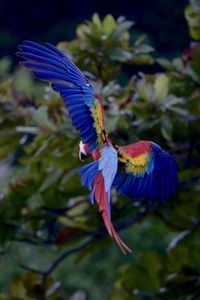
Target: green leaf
{"type": "Point", "coordinates": [109, 24]}
{"type": "Point", "coordinates": [51, 179]}
{"type": "Point", "coordinates": [181, 111]}
{"type": "Point", "coordinates": [121, 28]}
{"type": "Point", "coordinates": [121, 55]}
{"type": "Point", "coordinates": [165, 63]}
{"type": "Point", "coordinates": [166, 128]}
{"type": "Point", "coordinates": [142, 59]}
{"type": "Point", "coordinates": [143, 49]}
{"type": "Point", "coordinates": [96, 20]}
{"type": "Point", "coordinates": [193, 18]}
{"type": "Point", "coordinates": [35, 201]}
{"type": "Point", "coordinates": [161, 87]}
{"type": "Point", "coordinates": [177, 239]}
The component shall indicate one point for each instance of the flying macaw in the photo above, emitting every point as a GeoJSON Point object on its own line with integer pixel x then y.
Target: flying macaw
{"type": "Point", "coordinates": [141, 170]}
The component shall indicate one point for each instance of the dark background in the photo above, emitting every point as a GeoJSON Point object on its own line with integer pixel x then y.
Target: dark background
{"type": "Point", "coordinates": [55, 21]}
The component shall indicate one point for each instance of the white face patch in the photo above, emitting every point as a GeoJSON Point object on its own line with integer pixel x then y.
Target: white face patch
{"type": "Point", "coordinates": [82, 148]}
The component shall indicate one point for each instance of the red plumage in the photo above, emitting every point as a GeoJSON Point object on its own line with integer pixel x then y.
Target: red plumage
{"type": "Point", "coordinates": [137, 149]}
{"type": "Point", "coordinates": [101, 197]}
{"type": "Point", "coordinates": [95, 153]}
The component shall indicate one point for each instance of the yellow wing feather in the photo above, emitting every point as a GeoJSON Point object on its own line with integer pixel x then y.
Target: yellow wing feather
{"type": "Point", "coordinates": [97, 113]}
{"type": "Point", "coordinates": [135, 165]}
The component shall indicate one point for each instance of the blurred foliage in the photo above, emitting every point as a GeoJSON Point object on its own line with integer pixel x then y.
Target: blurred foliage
{"type": "Point", "coordinates": [102, 46]}
{"type": "Point", "coordinates": [45, 214]}
{"type": "Point", "coordinates": [192, 12]}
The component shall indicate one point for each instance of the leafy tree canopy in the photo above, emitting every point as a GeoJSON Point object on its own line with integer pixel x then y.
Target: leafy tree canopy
{"type": "Point", "coordinates": [52, 241]}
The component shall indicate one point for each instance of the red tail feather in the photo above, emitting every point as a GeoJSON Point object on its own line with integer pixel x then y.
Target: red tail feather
{"type": "Point", "coordinates": [101, 198]}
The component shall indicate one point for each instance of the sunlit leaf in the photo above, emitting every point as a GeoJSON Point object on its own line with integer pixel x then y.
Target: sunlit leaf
{"type": "Point", "coordinates": [108, 24]}
{"type": "Point", "coordinates": [162, 87]}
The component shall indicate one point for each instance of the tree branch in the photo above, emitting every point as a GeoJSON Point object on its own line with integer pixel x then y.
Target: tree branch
{"type": "Point", "coordinates": [168, 222]}
{"type": "Point", "coordinates": [58, 260]}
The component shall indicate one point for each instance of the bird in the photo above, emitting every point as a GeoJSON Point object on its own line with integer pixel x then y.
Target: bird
{"type": "Point", "coordinates": [142, 170]}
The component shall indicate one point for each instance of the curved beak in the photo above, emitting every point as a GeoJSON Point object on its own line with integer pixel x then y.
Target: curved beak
{"type": "Point", "coordinates": [82, 156]}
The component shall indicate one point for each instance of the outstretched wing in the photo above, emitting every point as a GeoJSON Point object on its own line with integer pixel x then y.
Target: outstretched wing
{"type": "Point", "coordinates": [146, 172]}
{"type": "Point", "coordinates": [99, 176]}
{"type": "Point", "coordinates": [83, 104]}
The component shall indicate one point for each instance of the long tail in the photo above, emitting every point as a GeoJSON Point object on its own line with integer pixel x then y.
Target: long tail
{"type": "Point", "coordinates": [97, 177]}
{"type": "Point", "coordinates": [102, 198]}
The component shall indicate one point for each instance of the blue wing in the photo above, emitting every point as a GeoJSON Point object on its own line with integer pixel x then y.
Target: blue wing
{"type": "Point", "coordinates": [149, 174]}
{"type": "Point", "coordinates": [85, 109]}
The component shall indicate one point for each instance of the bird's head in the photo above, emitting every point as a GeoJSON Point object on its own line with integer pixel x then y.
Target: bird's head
{"type": "Point", "coordinates": [83, 151]}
